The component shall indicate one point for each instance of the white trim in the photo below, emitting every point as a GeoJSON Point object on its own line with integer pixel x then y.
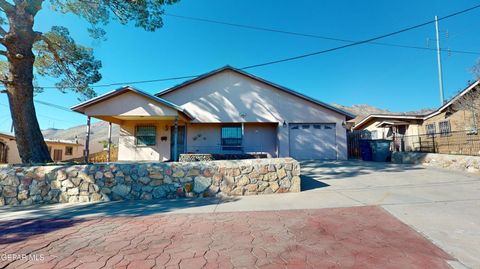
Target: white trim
{"type": "Point", "coordinates": [383, 116]}
{"type": "Point", "coordinates": [438, 111]}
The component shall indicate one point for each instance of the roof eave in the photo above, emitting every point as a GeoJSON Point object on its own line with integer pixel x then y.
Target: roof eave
{"type": "Point", "coordinates": [79, 108]}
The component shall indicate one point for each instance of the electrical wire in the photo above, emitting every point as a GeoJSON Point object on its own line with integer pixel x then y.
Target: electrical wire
{"type": "Point", "coordinates": [312, 35]}
{"type": "Point", "coordinates": [370, 40]}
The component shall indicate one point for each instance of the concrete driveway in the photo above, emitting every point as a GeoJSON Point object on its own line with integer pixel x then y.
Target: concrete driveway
{"type": "Point", "coordinates": [442, 205]}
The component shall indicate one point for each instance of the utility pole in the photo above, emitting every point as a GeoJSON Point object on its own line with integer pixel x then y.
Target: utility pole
{"type": "Point", "coordinates": [439, 62]}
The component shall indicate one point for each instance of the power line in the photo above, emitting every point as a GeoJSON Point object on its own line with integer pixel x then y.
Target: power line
{"type": "Point", "coordinates": [50, 105]}
{"type": "Point", "coordinates": [53, 105]}
{"type": "Point", "coordinates": [47, 117]}
{"type": "Point", "coordinates": [370, 40]}
{"type": "Point", "coordinates": [361, 42]}
{"type": "Point", "coordinates": [245, 26]}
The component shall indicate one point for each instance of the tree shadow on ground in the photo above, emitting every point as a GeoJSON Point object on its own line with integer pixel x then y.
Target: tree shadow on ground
{"type": "Point", "coordinates": [315, 174]}
{"type": "Point", "coordinates": [349, 169]}
{"type": "Point", "coordinates": [20, 223]}
{"type": "Point", "coordinates": [13, 231]}
{"type": "Point", "coordinates": [113, 208]}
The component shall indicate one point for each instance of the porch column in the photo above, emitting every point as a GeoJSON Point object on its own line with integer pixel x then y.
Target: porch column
{"type": "Point", "coordinates": [175, 139]}
{"type": "Point", "coordinates": [87, 141]}
{"type": "Point", "coordinates": [243, 134]}
{"type": "Point", "coordinates": [109, 141]}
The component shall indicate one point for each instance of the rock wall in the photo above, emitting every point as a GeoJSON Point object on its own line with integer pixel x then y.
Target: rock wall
{"type": "Point", "coordinates": [120, 181]}
{"type": "Point", "coordinates": [456, 162]}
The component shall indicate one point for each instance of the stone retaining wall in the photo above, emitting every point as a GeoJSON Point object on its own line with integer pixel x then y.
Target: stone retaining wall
{"type": "Point", "coordinates": [119, 181]}
{"type": "Point", "coordinates": [456, 162]}
{"type": "Point", "coordinates": [197, 157]}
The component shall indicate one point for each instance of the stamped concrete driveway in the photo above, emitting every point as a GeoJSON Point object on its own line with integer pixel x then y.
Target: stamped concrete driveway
{"type": "Point", "coordinates": [441, 205]}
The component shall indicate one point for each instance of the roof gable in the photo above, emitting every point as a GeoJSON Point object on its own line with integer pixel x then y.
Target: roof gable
{"type": "Point", "coordinates": [384, 117]}
{"type": "Point", "coordinates": [82, 107]}
{"type": "Point", "coordinates": [269, 83]}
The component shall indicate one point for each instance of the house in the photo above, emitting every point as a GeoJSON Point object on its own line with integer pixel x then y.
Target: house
{"type": "Point", "coordinates": [450, 128]}
{"type": "Point", "coordinates": [383, 126]}
{"type": "Point", "coordinates": [226, 111]}
{"type": "Point", "coordinates": [60, 150]}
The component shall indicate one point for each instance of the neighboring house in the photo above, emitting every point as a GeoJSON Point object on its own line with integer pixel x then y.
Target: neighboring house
{"type": "Point", "coordinates": [451, 117]}
{"type": "Point", "coordinates": [60, 150]}
{"type": "Point", "coordinates": [383, 126]}
{"type": "Point", "coordinates": [226, 111]}
{"type": "Point", "coordinates": [452, 127]}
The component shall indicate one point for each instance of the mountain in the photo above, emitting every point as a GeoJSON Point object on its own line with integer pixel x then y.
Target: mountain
{"type": "Point", "coordinates": [365, 110]}
{"type": "Point", "coordinates": [98, 133]}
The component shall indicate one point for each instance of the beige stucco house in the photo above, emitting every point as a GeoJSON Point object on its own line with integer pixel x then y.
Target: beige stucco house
{"type": "Point", "coordinates": [383, 126]}
{"type": "Point", "coordinates": [448, 118]}
{"type": "Point", "coordinates": [60, 150]}
{"type": "Point", "coordinates": [449, 128]}
{"type": "Point", "coordinates": [226, 111]}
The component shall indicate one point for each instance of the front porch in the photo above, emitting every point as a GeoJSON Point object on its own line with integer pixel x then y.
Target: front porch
{"type": "Point", "coordinates": [167, 139]}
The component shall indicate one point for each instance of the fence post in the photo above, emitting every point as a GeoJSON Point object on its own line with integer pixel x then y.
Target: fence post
{"type": "Point", "coordinates": [433, 143]}
{"type": "Point", "coordinates": [448, 143]}
{"type": "Point", "coordinates": [471, 145]}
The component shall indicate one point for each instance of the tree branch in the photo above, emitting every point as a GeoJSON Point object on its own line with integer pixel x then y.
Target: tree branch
{"type": "Point", "coordinates": [2, 31]}
{"type": "Point", "coordinates": [56, 56]}
{"type": "Point", "coordinates": [6, 6]}
{"type": "Point", "coordinates": [2, 52]}
{"type": "Point", "coordinates": [34, 6]}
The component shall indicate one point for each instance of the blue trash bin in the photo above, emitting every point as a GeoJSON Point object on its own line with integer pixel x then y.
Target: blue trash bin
{"type": "Point", "coordinates": [365, 150]}
{"type": "Point", "coordinates": [381, 150]}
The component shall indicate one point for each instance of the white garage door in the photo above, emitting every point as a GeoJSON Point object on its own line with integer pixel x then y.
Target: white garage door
{"type": "Point", "coordinates": [313, 141]}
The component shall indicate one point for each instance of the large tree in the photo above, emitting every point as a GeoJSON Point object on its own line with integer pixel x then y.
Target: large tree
{"type": "Point", "coordinates": [29, 52]}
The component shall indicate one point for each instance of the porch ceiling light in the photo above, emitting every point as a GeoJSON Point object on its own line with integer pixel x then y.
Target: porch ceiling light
{"type": "Point", "coordinates": [284, 124]}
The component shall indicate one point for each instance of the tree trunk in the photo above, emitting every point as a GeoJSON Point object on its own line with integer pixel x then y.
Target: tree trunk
{"type": "Point", "coordinates": [19, 42]}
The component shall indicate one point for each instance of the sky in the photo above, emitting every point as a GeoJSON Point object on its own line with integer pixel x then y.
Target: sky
{"type": "Point", "coordinates": [398, 79]}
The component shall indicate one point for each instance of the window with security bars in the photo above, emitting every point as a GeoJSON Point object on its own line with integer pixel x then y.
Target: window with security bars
{"type": "Point", "coordinates": [145, 135]}
{"type": "Point", "coordinates": [68, 150]}
{"type": "Point", "coordinates": [430, 129]}
{"type": "Point", "coordinates": [444, 127]}
{"type": "Point", "coordinates": [231, 137]}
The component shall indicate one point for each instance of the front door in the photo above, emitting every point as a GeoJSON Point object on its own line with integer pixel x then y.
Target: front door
{"type": "Point", "coordinates": [57, 155]}
{"type": "Point", "coordinates": [180, 141]}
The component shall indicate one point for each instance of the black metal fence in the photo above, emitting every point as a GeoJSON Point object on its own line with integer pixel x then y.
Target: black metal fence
{"type": "Point", "coordinates": [461, 143]}
{"type": "Point", "coordinates": [353, 143]}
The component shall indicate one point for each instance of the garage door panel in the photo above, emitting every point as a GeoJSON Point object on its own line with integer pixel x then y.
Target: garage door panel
{"type": "Point", "coordinates": [313, 141]}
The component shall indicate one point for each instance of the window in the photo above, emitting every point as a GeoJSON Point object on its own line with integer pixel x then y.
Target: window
{"type": "Point", "coordinates": [231, 137]}
{"type": "Point", "coordinates": [305, 126]}
{"type": "Point", "coordinates": [444, 127]}
{"type": "Point", "coordinates": [327, 127]}
{"type": "Point", "coordinates": [68, 150]}
{"type": "Point", "coordinates": [145, 135]}
{"type": "Point", "coordinates": [295, 127]}
{"type": "Point", "coordinates": [317, 126]}
{"type": "Point", "coordinates": [430, 129]}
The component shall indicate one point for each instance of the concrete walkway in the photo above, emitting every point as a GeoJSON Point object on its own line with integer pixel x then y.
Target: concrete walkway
{"type": "Point", "coordinates": [442, 205]}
